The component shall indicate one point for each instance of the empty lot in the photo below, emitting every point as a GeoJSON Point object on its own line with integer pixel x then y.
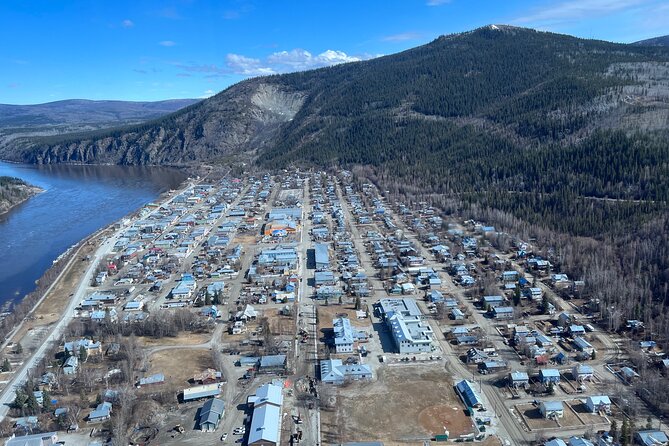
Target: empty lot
{"type": "Point", "coordinates": [404, 403]}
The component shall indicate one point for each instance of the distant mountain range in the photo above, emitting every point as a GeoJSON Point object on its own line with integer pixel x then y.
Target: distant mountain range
{"type": "Point", "coordinates": [81, 111]}
{"type": "Point", "coordinates": [656, 41]}
{"type": "Point", "coordinates": [501, 115]}
{"type": "Point", "coordinates": [78, 115]}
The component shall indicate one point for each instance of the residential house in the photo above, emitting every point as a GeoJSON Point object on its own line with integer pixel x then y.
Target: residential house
{"type": "Point", "coordinates": [503, 312]}
{"type": "Point", "coordinates": [628, 374]}
{"type": "Point", "coordinates": [651, 437]}
{"type": "Point", "coordinates": [493, 366]}
{"type": "Point", "coordinates": [510, 276]}
{"type": "Point", "coordinates": [576, 330]}
{"type": "Point", "coordinates": [582, 372]}
{"type": "Point", "coordinates": [91, 348]}
{"type": "Point", "coordinates": [493, 301]}
{"type": "Point", "coordinates": [579, 441]}
{"type": "Point", "coordinates": [476, 356]}
{"type": "Point", "coordinates": [457, 315]}
{"type": "Point", "coordinates": [551, 409]}
{"type": "Point", "coordinates": [518, 379]}
{"type": "Point", "coordinates": [71, 365]}
{"type": "Point", "coordinates": [101, 413]}
{"type": "Point", "coordinates": [466, 340]}
{"type": "Point", "coordinates": [564, 319]}
{"type": "Point", "coordinates": [272, 364]}
{"type": "Point", "coordinates": [549, 376]}
{"type": "Point", "coordinates": [583, 346]}
{"type": "Point", "coordinates": [598, 403]}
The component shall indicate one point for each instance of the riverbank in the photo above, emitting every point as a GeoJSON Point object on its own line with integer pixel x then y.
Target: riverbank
{"type": "Point", "coordinates": [47, 312]}
{"type": "Point", "coordinates": [14, 191]}
{"type": "Point", "coordinates": [44, 305]}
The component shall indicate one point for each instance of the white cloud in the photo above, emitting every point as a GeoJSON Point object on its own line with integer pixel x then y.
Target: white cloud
{"type": "Point", "coordinates": [167, 43]}
{"type": "Point", "coordinates": [279, 62]}
{"type": "Point", "coordinates": [207, 94]}
{"type": "Point", "coordinates": [127, 23]}
{"type": "Point", "coordinates": [401, 37]}
{"type": "Point", "coordinates": [437, 2]}
{"type": "Point", "coordinates": [247, 66]}
{"type": "Point", "coordinates": [572, 10]}
{"type": "Point", "coordinates": [299, 59]}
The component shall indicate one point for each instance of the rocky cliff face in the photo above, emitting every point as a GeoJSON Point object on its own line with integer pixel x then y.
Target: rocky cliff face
{"type": "Point", "coordinates": [239, 119]}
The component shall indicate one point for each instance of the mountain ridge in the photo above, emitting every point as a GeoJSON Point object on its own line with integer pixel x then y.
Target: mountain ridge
{"type": "Point", "coordinates": [501, 117]}
{"type": "Point", "coordinates": [73, 111]}
{"type": "Point", "coordinates": [654, 41]}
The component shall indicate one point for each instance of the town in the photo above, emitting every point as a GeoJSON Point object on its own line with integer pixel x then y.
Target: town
{"type": "Point", "coordinates": [307, 308]}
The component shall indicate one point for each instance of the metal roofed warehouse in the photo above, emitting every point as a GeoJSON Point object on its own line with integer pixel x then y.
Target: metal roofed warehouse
{"type": "Point", "coordinates": [265, 427]}
{"type": "Point", "coordinates": [469, 396]}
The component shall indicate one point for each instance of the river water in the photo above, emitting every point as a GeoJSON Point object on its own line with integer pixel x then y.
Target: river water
{"type": "Point", "coordinates": [78, 200]}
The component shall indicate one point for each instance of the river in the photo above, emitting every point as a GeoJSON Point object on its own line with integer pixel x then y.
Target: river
{"type": "Point", "coordinates": [77, 201]}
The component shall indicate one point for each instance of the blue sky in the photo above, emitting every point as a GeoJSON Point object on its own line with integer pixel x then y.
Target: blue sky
{"type": "Point", "coordinates": [153, 50]}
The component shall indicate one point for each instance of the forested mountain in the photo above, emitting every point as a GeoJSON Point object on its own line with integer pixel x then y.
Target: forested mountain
{"type": "Point", "coordinates": [77, 115]}
{"type": "Point", "coordinates": [655, 41]}
{"type": "Point", "coordinates": [80, 111]}
{"type": "Point", "coordinates": [14, 191]}
{"type": "Point", "coordinates": [569, 133]}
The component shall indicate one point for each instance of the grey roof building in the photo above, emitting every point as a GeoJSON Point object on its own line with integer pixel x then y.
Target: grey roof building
{"type": "Point", "coordinates": [265, 427]}
{"type": "Point", "coordinates": [343, 335]}
{"type": "Point", "coordinates": [333, 371]}
{"type": "Point", "coordinates": [210, 415]}
{"type": "Point", "coordinates": [44, 439]}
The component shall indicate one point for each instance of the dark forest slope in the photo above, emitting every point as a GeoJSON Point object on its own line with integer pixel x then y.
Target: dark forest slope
{"type": "Point", "coordinates": [544, 125]}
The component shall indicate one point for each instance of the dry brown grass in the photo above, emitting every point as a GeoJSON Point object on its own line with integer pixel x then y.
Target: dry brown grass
{"type": "Point", "coordinates": [179, 365]}
{"type": "Point", "coordinates": [397, 407]}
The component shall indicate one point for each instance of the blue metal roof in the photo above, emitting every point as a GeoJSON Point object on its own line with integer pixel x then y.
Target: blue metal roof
{"type": "Point", "coordinates": [468, 394]}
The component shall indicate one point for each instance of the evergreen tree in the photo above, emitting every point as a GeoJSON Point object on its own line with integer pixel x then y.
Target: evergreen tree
{"type": "Point", "coordinates": [32, 406]}
{"type": "Point", "coordinates": [83, 354]}
{"type": "Point", "coordinates": [19, 348]}
{"type": "Point", "coordinates": [625, 433]}
{"type": "Point", "coordinates": [6, 366]}
{"type": "Point", "coordinates": [20, 399]}
{"type": "Point", "coordinates": [47, 405]}
{"type": "Point", "coordinates": [358, 304]}
{"type": "Point", "coordinates": [516, 295]}
{"type": "Point", "coordinates": [613, 431]}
